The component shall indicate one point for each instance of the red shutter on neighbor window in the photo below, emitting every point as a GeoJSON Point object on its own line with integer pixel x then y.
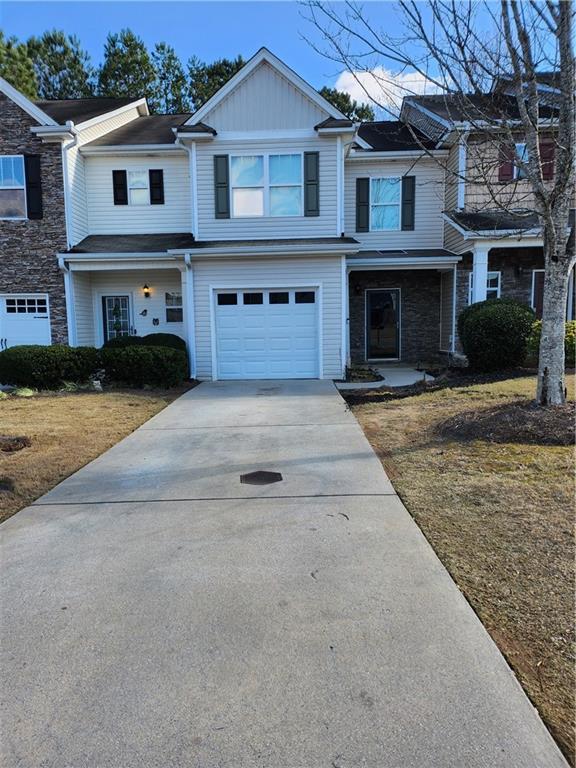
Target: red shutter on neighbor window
{"type": "Point", "coordinates": [538, 292]}
{"type": "Point", "coordinates": [547, 160]}
{"type": "Point", "coordinates": [506, 163]}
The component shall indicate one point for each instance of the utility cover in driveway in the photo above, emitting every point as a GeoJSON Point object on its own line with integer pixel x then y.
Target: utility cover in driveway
{"type": "Point", "coordinates": [261, 477]}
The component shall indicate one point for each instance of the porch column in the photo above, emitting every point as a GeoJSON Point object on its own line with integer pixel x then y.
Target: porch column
{"type": "Point", "coordinates": [69, 300]}
{"type": "Point", "coordinates": [479, 273]}
{"type": "Point", "coordinates": [187, 276]}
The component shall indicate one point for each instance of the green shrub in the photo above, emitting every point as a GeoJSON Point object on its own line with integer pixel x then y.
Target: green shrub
{"type": "Point", "coordinates": [169, 340]}
{"type": "Point", "coordinates": [47, 367]}
{"type": "Point", "coordinates": [533, 352]}
{"type": "Point", "coordinates": [124, 341]}
{"type": "Point", "coordinates": [494, 333]}
{"type": "Point", "coordinates": [139, 365]}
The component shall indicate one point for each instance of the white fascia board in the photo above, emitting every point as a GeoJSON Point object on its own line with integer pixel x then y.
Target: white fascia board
{"type": "Point", "coordinates": [55, 133]}
{"type": "Point", "coordinates": [361, 142]}
{"type": "Point", "coordinates": [510, 240]}
{"type": "Point", "coordinates": [335, 131]}
{"type": "Point", "coordinates": [440, 262]}
{"type": "Point", "coordinates": [264, 55]}
{"type": "Point", "coordinates": [139, 104]}
{"type": "Point", "coordinates": [294, 250]}
{"type": "Point", "coordinates": [120, 149]}
{"type": "Point", "coordinates": [194, 136]}
{"type": "Point", "coordinates": [398, 155]}
{"type": "Point", "coordinates": [24, 103]}
{"type": "Point", "coordinates": [516, 234]}
{"type": "Point", "coordinates": [85, 262]}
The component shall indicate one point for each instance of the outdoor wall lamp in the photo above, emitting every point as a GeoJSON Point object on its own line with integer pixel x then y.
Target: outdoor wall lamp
{"type": "Point", "coordinates": [146, 291]}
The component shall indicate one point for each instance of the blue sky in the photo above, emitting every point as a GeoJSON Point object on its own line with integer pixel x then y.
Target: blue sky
{"type": "Point", "coordinates": [208, 29]}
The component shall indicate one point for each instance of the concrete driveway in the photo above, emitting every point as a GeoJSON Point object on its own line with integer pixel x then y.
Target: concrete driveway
{"type": "Point", "coordinates": [158, 613]}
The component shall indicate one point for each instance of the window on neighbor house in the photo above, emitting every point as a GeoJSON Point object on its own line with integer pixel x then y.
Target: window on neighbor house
{"type": "Point", "coordinates": [385, 200]}
{"type": "Point", "coordinates": [492, 286]}
{"type": "Point", "coordinates": [138, 192]}
{"type": "Point", "coordinates": [12, 187]}
{"type": "Point", "coordinates": [173, 307]}
{"type": "Point", "coordinates": [522, 154]}
{"type": "Point", "coordinates": [266, 185]}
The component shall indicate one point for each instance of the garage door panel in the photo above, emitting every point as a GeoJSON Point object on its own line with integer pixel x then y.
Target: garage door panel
{"type": "Point", "coordinates": [24, 319]}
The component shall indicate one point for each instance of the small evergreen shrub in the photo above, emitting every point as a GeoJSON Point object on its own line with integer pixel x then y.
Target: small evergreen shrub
{"type": "Point", "coordinates": [42, 367]}
{"type": "Point", "coordinates": [138, 366]}
{"type": "Point", "coordinates": [495, 333]}
{"type": "Point", "coordinates": [164, 340]}
{"type": "Point", "coordinates": [124, 341]}
{"type": "Point", "coordinates": [569, 344]}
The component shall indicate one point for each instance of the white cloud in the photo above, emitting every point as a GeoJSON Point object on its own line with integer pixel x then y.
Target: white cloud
{"type": "Point", "coordinates": [383, 86]}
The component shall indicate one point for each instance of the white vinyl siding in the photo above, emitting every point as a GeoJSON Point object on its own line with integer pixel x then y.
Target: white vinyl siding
{"type": "Point", "coordinates": [265, 100]}
{"type": "Point", "coordinates": [106, 218]}
{"type": "Point", "coordinates": [271, 273]}
{"type": "Point", "coordinates": [83, 309]}
{"type": "Point", "coordinates": [265, 227]}
{"type": "Point", "coordinates": [428, 229]}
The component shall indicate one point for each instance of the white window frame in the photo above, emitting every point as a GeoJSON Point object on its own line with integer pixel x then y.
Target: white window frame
{"type": "Point", "coordinates": [523, 155]}
{"type": "Point", "coordinates": [533, 288]}
{"type": "Point", "coordinates": [17, 218]}
{"type": "Point", "coordinates": [378, 178]}
{"type": "Point", "coordinates": [266, 186]}
{"type": "Point", "coordinates": [490, 275]}
{"type": "Point", "coordinates": [146, 173]}
{"type": "Point", "coordinates": [173, 306]}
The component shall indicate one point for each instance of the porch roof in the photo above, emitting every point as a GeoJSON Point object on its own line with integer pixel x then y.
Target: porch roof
{"type": "Point", "coordinates": [133, 243]}
{"type": "Point", "coordinates": [415, 258]}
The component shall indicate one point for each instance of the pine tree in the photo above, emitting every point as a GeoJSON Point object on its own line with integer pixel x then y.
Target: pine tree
{"type": "Point", "coordinates": [360, 113]}
{"type": "Point", "coordinates": [16, 66]}
{"type": "Point", "coordinates": [127, 69]}
{"type": "Point", "coordinates": [170, 92]}
{"type": "Point", "coordinates": [206, 79]}
{"type": "Point", "coordinates": [63, 69]}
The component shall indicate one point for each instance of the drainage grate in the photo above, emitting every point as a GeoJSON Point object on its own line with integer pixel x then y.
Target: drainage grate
{"type": "Point", "coordinates": [261, 477]}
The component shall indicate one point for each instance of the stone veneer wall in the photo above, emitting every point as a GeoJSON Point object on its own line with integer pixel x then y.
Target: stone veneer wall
{"type": "Point", "coordinates": [419, 311]}
{"type": "Point", "coordinates": [28, 249]}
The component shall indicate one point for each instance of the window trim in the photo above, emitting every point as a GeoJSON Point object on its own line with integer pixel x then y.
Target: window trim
{"type": "Point", "coordinates": [173, 306]}
{"type": "Point", "coordinates": [498, 287]}
{"type": "Point", "coordinates": [267, 186]}
{"type": "Point", "coordinates": [377, 178]}
{"type": "Point", "coordinates": [146, 173]}
{"type": "Point", "coordinates": [17, 218]}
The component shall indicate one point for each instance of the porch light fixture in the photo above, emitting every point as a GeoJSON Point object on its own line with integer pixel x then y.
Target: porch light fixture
{"type": "Point", "coordinates": [146, 291]}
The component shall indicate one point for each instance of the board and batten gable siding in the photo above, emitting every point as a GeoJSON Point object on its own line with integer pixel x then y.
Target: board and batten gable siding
{"type": "Point", "coordinates": [428, 229]}
{"type": "Point", "coordinates": [79, 215]}
{"type": "Point", "coordinates": [105, 218]}
{"type": "Point", "coordinates": [266, 227]}
{"type": "Point", "coordinates": [271, 273]}
{"type": "Point", "coordinates": [265, 100]}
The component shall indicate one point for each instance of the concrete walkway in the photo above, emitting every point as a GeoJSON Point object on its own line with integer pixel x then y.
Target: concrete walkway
{"type": "Point", "coordinates": [393, 376]}
{"type": "Point", "coordinates": [157, 613]}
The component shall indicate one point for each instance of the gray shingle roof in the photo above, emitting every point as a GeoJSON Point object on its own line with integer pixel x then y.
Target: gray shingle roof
{"type": "Point", "coordinates": [393, 136]}
{"type": "Point", "coordinates": [147, 129]}
{"type": "Point", "coordinates": [80, 110]}
{"type": "Point", "coordinates": [463, 107]}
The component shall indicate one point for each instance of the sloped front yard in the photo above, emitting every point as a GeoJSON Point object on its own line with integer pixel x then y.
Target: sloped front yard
{"type": "Point", "coordinates": [491, 486]}
{"type": "Point", "coordinates": [63, 431]}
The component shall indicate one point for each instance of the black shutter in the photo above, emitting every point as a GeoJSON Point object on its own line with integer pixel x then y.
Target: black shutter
{"type": "Point", "coordinates": [408, 201]}
{"type": "Point", "coordinates": [156, 186]}
{"type": "Point", "coordinates": [311, 184]}
{"type": "Point", "coordinates": [506, 155]}
{"type": "Point", "coordinates": [120, 186]}
{"type": "Point", "coordinates": [362, 205]}
{"type": "Point", "coordinates": [221, 187]}
{"type": "Point", "coordinates": [33, 186]}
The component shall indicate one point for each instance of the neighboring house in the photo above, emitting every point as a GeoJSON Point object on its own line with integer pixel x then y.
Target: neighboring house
{"type": "Point", "coordinates": [274, 235]}
{"type": "Point", "coordinates": [37, 140]}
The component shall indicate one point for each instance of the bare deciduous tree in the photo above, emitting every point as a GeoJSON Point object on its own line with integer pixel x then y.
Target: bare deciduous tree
{"type": "Point", "coordinates": [486, 61]}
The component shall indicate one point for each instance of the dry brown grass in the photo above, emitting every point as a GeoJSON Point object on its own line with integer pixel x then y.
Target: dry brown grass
{"type": "Point", "coordinates": [66, 431]}
{"type": "Point", "coordinates": [500, 517]}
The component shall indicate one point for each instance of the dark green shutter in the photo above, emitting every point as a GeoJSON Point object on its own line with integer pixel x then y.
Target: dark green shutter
{"type": "Point", "coordinates": [311, 184]}
{"type": "Point", "coordinates": [408, 201]}
{"type": "Point", "coordinates": [120, 187]}
{"type": "Point", "coordinates": [221, 187]}
{"type": "Point", "coordinates": [156, 186]}
{"type": "Point", "coordinates": [362, 205]}
{"type": "Point", "coordinates": [33, 186]}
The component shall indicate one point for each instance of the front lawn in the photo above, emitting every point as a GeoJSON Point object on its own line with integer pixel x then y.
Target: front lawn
{"type": "Point", "coordinates": [490, 483]}
{"type": "Point", "coordinates": [65, 431]}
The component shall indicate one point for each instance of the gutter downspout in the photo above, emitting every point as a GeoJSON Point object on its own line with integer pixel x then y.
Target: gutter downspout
{"type": "Point", "coordinates": [69, 299]}
{"type": "Point", "coordinates": [190, 322]}
{"type": "Point", "coordinates": [454, 295]}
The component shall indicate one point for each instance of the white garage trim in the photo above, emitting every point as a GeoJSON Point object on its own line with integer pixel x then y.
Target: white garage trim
{"type": "Point", "coordinates": [4, 314]}
{"type": "Point", "coordinates": [261, 286]}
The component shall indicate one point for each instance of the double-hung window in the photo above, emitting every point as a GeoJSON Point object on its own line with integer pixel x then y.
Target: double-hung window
{"type": "Point", "coordinates": [492, 286]}
{"type": "Point", "coordinates": [521, 151]}
{"type": "Point", "coordinates": [12, 187]}
{"type": "Point", "coordinates": [385, 202]}
{"type": "Point", "coordinates": [138, 192]}
{"type": "Point", "coordinates": [173, 301]}
{"type": "Point", "coordinates": [266, 185]}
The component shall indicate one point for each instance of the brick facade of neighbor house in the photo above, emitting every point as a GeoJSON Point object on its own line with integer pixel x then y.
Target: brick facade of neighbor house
{"type": "Point", "coordinates": [28, 248]}
{"type": "Point", "coordinates": [419, 312]}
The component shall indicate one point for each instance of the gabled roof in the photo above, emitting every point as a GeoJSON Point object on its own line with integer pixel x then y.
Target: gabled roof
{"type": "Point", "coordinates": [147, 129]}
{"type": "Point", "coordinates": [26, 104]}
{"type": "Point", "coordinates": [458, 108]}
{"type": "Point", "coordinates": [81, 110]}
{"type": "Point", "coordinates": [393, 136]}
{"type": "Point", "coordinates": [265, 55]}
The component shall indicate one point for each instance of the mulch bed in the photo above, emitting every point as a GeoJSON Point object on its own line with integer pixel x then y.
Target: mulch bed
{"type": "Point", "coordinates": [11, 443]}
{"type": "Point", "coordinates": [520, 421]}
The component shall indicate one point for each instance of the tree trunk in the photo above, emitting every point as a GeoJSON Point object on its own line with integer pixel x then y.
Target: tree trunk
{"type": "Point", "coordinates": [551, 386]}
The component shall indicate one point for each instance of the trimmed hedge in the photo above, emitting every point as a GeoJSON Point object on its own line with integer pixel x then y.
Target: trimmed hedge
{"type": "Point", "coordinates": [139, 365]}
{"type": "Point", "coordinates": [494, 333]}
{"type": "Point", "coordinates": [569, 343]}
{"type": "Point", "coordinates": [124, 341]}
{"type": "Point", "coordinates": [169, 340]}
{"type": "Point", "coordinates": [47, 367]}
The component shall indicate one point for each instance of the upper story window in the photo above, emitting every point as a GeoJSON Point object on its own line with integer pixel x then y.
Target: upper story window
{"type": "Point", "coordinates": [138, 190]}
{"type": "Point", "coordinates": [385, 201]}
{"type": "Point", "coordinates": [522, 155]}
{"type": "Point", "coordinates": [12, 187]}
{"type": "Point", "coordinates": [266, 185]}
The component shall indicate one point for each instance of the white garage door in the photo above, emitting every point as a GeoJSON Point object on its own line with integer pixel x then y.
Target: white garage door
{"type": "Point", "coordinates": [267, 334]}
{"type": "Point", "coordinates": [24, 319]}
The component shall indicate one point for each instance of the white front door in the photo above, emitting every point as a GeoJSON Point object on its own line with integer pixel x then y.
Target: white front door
{"type": "Point", "coordinates": [267, 333]}
{"type": "Point", "coordinates": [24, 319]}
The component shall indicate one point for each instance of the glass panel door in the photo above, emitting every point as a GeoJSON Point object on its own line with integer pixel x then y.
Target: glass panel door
{"type": "Point", "coordinates": [116, 314]}
{"type": "Point", "coordinates": [383, 324]}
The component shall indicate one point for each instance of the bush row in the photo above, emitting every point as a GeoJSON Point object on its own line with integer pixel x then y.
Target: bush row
{"type": "Point", "coordinates": [151, 340]}
{"type": "Point", "coordinates": [569, 343]}
{"type": "Point", "coordinates": [134, 366]}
